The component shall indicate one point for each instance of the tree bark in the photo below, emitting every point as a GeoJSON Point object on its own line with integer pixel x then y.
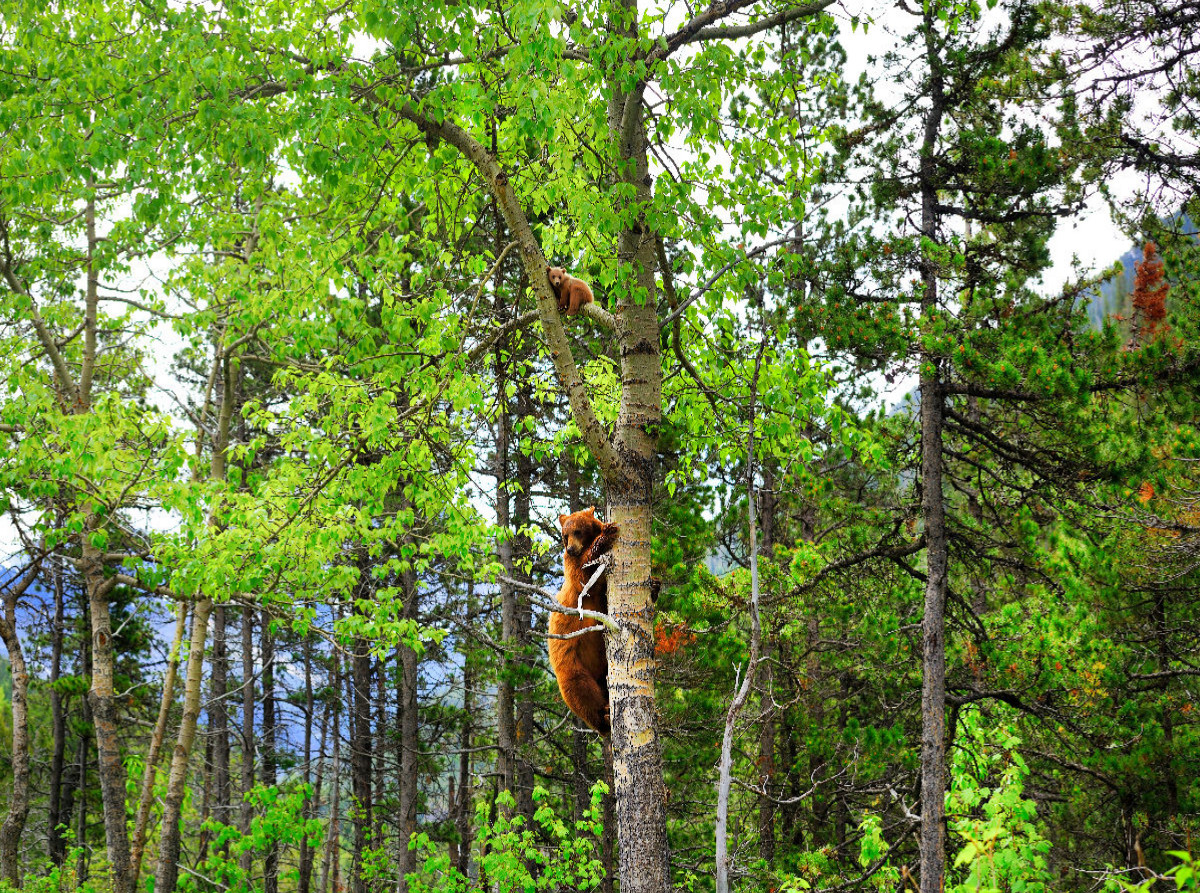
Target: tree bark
{"type": "Point", "coordinates": [462, 807]}
{"type": "Point", "coordinates": [506, 723]}
{"type": "Point", "coordinates": [767, 503]}
{"type": "Point", "coordinates": [57, 843]}
{"type": "Point", "coordinates": [306, 854]}
{"type": "Point", "coordinates": [379, 750]}
{"type": "Point", "coordinates": [360, 752]}
{"type": "Point", "coordinates": [933, 685]}
{"type": "Point", "coordinates": [141, 822]}
{"type": "Point", "coordinates": [218, 723]}
{"type": "Point", "coordinates": [246, 813]}
{"type": "Point", "coordinates": [410, 742]}
{"type": "Point", "coordinates": [333, 839]}
{"type": "Point", "coordinates": [81, 754]}
{"type": "Point", "coordinates": [270, 727]}
{"type": "Point", "coordinates": [18, 802]}
{"type": "Point", "coordinates": [102, 697]}
{"type": "Point", "coordinates": [522, 627]}
{"type": "Point", "coordinates": [723, 859]}
{"type": "Point", "coordinates": [637, 751]}
{"type": "Point", "coordinates": [169, 840]}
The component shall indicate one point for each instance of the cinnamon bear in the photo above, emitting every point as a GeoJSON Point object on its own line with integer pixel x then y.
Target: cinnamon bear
{"type": "Point", "coordinates": [572, 293]}
{"type": "Point", "coordinates": [580, 663]}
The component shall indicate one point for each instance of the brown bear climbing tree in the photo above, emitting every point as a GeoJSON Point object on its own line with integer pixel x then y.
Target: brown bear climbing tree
{"type": "Point", "coordinates": [579, 662]}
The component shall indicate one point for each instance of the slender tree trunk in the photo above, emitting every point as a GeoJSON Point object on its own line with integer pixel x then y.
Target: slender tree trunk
{"type": "Point", "coordinates": [104, 720]}
{"type": "Point", "coordinates": [767, 502]}
{"type": "Point", "coordinates": [335, 823]}
{"type": "Point", "coordinates": [360, 754]}
{"type": "Point", "coordinates": [410, 742]}
{"type": "Point", "coordinates": [169, 840]}
{"type": "Point", "coordinates": [206, 796]}
{"type": "Point", "coordinates": [319, 786]}
{"type": "Point", "coordinates": [246, 814]}
{"type": "Point", "coordinates": [506, 723]}
{"type": "Point", "coordinates": [81, 823]}
{"type": "Point", "coordinates": [462, 812]}
{"type": "Point", "coordinates": [332, 838]}
{"type": "Point", "coordinates": [270, 727]}
{"type": "Point", "coordinates": [18, 802]}
{"type": "Point", "coordinates": [933, 686]}
{"type": "Point", "coordinates": [723, 859]}
{"type": "Point", "coordinates": [379, 743]}
{"type": "Point", "coordinates": [306, 853]}
{"type": "Point", "coordinates": [218, 723]}
{"type": "Point", "coordinates": [141, 823]}
{"type": "Point", "coordinates": [57, 845]}
{"type": "Point", "coordinates": [522, 629]}
{"type": "Point", "coordinates": [80, 817]}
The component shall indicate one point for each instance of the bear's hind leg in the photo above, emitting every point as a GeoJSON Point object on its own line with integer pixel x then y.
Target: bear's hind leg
{"type": "Point", "coordinates": [587, 700]}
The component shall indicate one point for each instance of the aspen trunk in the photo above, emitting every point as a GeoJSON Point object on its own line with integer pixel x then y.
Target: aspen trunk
{"type": "Point", "coordinates": [145, 801]}
{"type": "Point", "coordinates": [18, 802]}
{"type": "Point", "coordinates": [57, 844]}
{"type": "Point", "coordinates": [102, 697]}
{"type": "Point", "coordinates": [637, 752]}
{"type": "Point", "coordinates": [169, 840]}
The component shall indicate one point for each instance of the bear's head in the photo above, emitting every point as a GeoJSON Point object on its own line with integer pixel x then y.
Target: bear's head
{"type": "Point", "coordinates": [579, 530]}
{"type": "Point", "coordinates": [557, 277]}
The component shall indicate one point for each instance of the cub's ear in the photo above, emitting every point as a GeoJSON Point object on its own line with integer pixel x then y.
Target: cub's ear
{"type": "Point", "coordinates": [590, 510]}
{"type": "Point", "coordinates": [562, 519]}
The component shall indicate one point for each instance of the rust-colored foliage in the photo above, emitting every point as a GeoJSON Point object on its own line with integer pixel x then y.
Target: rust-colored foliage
{"type": "Point", "coordinates": [1149, 295]}
{"type": "Point", "coordinates": [669, 641]}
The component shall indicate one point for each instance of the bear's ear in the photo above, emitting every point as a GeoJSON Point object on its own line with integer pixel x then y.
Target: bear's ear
{"type": "Point", "coordinates": [562, 519]}
{"type": "Point", "coordinates": [590, 510]}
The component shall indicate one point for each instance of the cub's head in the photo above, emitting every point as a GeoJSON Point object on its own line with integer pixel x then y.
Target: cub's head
{"type": "Point", "coordinates": [579, 530]}
{"type": "Point", "coordinates": [557, 277]}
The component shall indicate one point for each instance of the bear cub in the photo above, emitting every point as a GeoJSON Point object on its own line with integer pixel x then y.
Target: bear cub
{"type": "Point", "coordinates": [572, 293]}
